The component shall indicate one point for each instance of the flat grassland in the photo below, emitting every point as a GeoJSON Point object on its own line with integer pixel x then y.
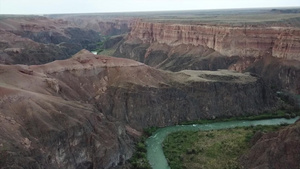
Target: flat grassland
{"type": "Point", "coordinates": [231, 17]}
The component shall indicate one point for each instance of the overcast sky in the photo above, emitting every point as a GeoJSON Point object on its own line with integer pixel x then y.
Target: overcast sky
{"type": "Point", "coordinates": [98, 6]}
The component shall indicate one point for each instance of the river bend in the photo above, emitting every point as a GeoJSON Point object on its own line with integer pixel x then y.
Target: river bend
{"type": "Point", "coordinates": [155, 153]}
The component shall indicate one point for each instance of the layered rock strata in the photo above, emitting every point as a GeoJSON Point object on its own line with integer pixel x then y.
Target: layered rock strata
{"type": "Point", "coordinates": [280, 42]}
{"type": "Point", "coordinates": [85, 112]}
{"type": "Point", "coordinates": [260, 49]}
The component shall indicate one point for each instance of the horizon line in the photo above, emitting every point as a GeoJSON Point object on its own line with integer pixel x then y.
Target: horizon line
{"type": "Point", "coordinates": [181, 10]}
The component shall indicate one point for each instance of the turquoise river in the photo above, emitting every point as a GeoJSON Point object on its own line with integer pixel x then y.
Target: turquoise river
{"type": "Point", "coordinates": [155, 153]}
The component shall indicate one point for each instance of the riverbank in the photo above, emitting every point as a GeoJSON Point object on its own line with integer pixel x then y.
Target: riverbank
{"type": "Point", "coordinates": [155, 153]}
{"type": "Point", "coordinates": [281, 113]}
{"type": "Point", "coordinates": [211, 149]}
{"type": "Point", "coordinates": [139, 158]}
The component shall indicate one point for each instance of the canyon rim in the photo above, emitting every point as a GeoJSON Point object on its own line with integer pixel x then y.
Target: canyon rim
{"type": "Point", "coordinates": [63, 107]}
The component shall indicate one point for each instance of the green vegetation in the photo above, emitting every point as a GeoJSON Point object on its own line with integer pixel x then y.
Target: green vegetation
{"type": "Point", "coordinates": [150, 130]}
{"type": "Point", "coordinates": [104, 47]}
{"type": "Point", "coordinates": [100, 45]}
{"type": "Point", "coordinates": [281, 113]}
{"type": "Point", "coordinates": [139, 158]}
{"type": "Point", "coordinates": [289, 109]}
{"type": "Point", "coordinates": [108, 52]}
{"type": "Point", "coordinates": [210, 149]}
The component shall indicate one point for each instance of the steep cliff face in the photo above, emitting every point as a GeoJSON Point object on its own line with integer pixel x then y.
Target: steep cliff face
{"type": "Point", "coordinates": [280, 42]}
{"type": "Point", "coordinates": [172, 105]}
{"type": "Point", "coordinates": [175, 58]}
{"type": "Point", "coordinates": [191, 95]}
{"type": "Point", "coordinates": [176, 47]}
{"type": "Point", "coordinates": [125, 88]}
{"type": "Point", "coordinates": [279, 73]}
{"type": "Point", "coordinates": [275, 150]}
{"type": "Point", "coordinates": [85, 112]}
{"type": "Point", "coordinates": [42, 129]}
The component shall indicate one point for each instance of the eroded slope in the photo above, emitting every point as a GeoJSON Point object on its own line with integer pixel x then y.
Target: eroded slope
{"type": "Point", "coordinates": [88, 110]}
{"type": "Point", "coordinates": [177, 46]}
{"type": "Point", "coordinates": [275, 150]}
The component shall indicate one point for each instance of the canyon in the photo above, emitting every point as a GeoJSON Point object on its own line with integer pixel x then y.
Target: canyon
{"type": "Point", "coordinates": [86, 111]}
{"type": "Point", "coordinates": [246, 41]}
{"type": "Point", "coordinates": [245, 47]}
{"type": "Point", "coordinates": [38, 39]}
{"type": "Point", "coordinates": [63, 107]}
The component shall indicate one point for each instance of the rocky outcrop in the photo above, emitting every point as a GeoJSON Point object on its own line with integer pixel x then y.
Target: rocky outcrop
{"type": "Point", "coordinates": [41, 131]}
{"type": "Point", "coordinates": [280, 74]}
{"type": "Point", "coordinates": [46, 129]}
{"type": "Point", "coordinates": [39, 40]}
{"type": "Point", "coordinates": [203, 41]}
{"type": "Point", "coordinates": [175, 58]}
{"type": "Point", "coordinates": [126, 88]}
{"type": "Point", "coordinates": [18, 50]}
{"type": "Point", "coordinates": [280, 42]}
{"type": "Point", "coordinates": [269, 51]}
{"type": "Point", "coordinates": [275, 150]}
{"type": "Point", "coordinates": [172, 105]}
{"type": "Point", "coordinates": [86, 112]}
{"type": "Point", "coordinates": [84, 39]}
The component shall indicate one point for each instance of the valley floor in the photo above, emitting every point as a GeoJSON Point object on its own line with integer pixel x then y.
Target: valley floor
{"type": "Point", "coordinates": [210, 149]}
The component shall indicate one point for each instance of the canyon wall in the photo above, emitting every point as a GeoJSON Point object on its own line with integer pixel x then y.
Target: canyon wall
{"type": "Point", "coordinates": [15, 49]}
{"type": "Point", "coordinates": [259, 49]}
{"type": "Point", "coordinates": [278, 73]}
{"type": "Point", "coordinates": [280, 42]}
{"type": "Point", "coordinates": [38, 40]}
{"type": "Point", "coordinates": [124, 88]}
{"type": "Point", "coordinates": [87, 111]}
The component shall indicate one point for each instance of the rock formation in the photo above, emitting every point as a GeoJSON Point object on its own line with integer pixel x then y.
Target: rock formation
{"type": "Point", "coordinates": [87, 111]}
{"type": "Point", "coordinates": [177, 46]}
{"type": "Point", "coordinates": [80, 112]}
{"type": "Point", "coordinates": [15, 50]}
{"type": "Point", "coordinates": [275, 150]}
{"type": "Point", "coordinates": [37, 40]}
{"type": "Point", "coordinates": [280, 42]}
{"type": "Point", "coordinates": [279, 73]}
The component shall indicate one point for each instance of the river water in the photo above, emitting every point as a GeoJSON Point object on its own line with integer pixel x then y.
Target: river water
{"type": "Point", "coordinates": [155, 153]}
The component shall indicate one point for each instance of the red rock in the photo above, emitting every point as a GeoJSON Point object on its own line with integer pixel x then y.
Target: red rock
{"type": "Point", "coordinates": [280, 42]}
{"type": "Point", "coordinates": [275, 150]}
